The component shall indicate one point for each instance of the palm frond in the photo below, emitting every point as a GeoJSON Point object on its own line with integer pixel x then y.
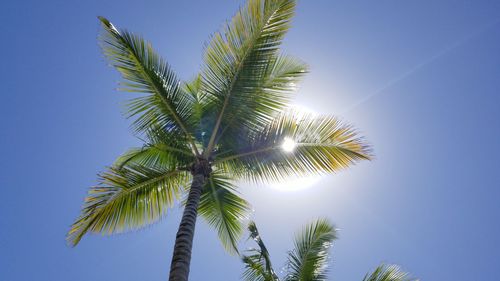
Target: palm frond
{"type": "Point", "coordinates": [224, 210]}
{"type": "Point", "coordinates": [279, 83]}
{"type": "Point", "coordinates": [388, 273]}
{"type": "Point", "coordinates": [323, 144]}
{"type": "Point", "coordinates": [162, 149]}
{"type": "Point", "coordinates": [193, 88]}
{"type": "Point", "coordinates": [165, 104]}
{"type": "Point", "coordinates": [204, 111]}
{"type": "Point", "coordinates": [236, 61]}
{"type": "Point", "coordinates": [157, 155]}
{"type": "Point", "coordinates": [258, 265]}
{"type": "Point", "coordinates": [127, 199]}
{"type": "Point", "coordinates": [309, 259]}
{"type": "Point", "coordinates": [255, 269]}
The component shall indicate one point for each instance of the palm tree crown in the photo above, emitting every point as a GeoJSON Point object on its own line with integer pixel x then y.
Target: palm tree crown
{"type": "Point", "coordinates": [227, 124]}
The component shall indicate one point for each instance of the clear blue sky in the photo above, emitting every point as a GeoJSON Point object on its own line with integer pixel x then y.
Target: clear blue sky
{"type": "Point", "coordinates": [421, 79]}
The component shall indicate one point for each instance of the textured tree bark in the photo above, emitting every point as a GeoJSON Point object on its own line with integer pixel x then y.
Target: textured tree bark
{"type": "Point", "coordinates": [181, 259]}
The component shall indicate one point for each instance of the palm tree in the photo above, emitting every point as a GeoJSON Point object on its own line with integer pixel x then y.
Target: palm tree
{"type": "Point", "coordinates": [201, 136]}
{"type": "Point", "coordinates": [308, 261]}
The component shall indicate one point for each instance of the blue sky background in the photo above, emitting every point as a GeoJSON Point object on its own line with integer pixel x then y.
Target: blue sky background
{"type": "Point", "coordinates": [421, 79]}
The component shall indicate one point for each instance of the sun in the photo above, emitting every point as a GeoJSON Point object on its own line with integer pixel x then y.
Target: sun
{"type": "Point", "coordinates": [288, 145]}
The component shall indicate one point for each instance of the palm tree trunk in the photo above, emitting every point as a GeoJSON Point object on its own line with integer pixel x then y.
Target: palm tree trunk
{"type": "Point", "coordinates": [179, 269]}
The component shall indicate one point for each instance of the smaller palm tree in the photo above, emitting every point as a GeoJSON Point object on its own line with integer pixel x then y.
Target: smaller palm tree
{"type": "Point", "coordinates": [308, 261]}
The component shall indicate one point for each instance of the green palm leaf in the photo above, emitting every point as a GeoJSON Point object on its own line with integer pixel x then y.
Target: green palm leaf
{"type": "Point", "coordinates": [309, 259]}
{"type": "Point", "coordinates": [279, 83]}
{"type": "Point", "coordinates": [388, 273]}
{"type": "Point", "coordinates": [254, 268]}
{"type": "Point", "coordinates": [127, 199]}
{"type": "Point", "coordinates": [165, 104]}
{"type": "Point", "coordinates": [258, 265]}
{"type": "Point", "coordinates": [224, 210]}
{"type": "Point", "coordinates": [236, 61]}
{"type": "Point", "coordinates": [161, 149]}
{"type": "Point", "coordinates": [323, 144]}
{"type": "Point", "coordinates": [204, 111]}
{"type": "Point", "coordinates": [154, 155]}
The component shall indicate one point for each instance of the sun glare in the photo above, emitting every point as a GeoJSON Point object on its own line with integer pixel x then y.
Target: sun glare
{"type": "Point", "coordinates": [288, 145]}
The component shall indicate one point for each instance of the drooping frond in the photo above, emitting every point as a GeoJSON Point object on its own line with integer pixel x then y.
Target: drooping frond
{"type": "Point", "coordinates": [237, 60]}
{"type": "Point", "coordinates": [309, 259]}
{"type": "Point", "coordinates": [388, 273]}
{"type": "Point", "coordinates": [320, 144]}
{"type": "Point", "coordinates": [164, 104]}
{"type": "Point", "coordinates": [127, 199]}
{"type": "Point", "coordinates": [258, 265]}
{"type": "Point", "coordinates": [224, 209]}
